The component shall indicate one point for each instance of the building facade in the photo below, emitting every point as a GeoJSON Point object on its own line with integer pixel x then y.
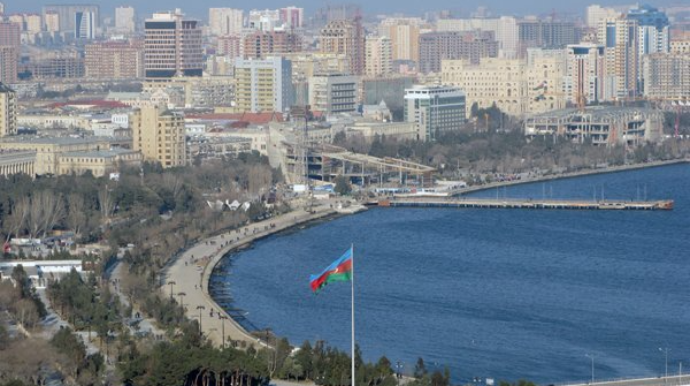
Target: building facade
{"type": "Point", "coordinates": [263, 85]}
{"type": "Point", "coordinates": [333, 93]}
{"type": "Point", "coordinates": [378, 58]}
{"type": "Point", "coordinates": [619, 37]}
{"type": "Point", "coordinates": [404, 36]}
{"type": "Point", "coordinates": [125, 20]}
{"type": "Point", "coordinates": [585, 74]}
{"type": "Point", "coordinates": [345, 37]}
{"type": "Point", "coordinates": [434, 110]}
{"type": "Point", "coordinates": [8, 111]}
{"type": "Point", "coordinates": [172, 46]}
{"type": "Point", "coordinates": [114, 60]}
{"type": "Point", "coordinates": [225, 21]}
{"type": "Point", "coordinates": [8, 64]}
{"type": "Point", "coordinates": [437, 46]}
{"type": "Point", "coordinates": [261, 44]}
{"type": "Point", "coordinates": [666, 76]}
{"type": "Point", "coordinates": [159, 135]}
{"type": "Point", "coordinates": [505, 30]}
{"type": "Point", "coordinates": [67, 15]}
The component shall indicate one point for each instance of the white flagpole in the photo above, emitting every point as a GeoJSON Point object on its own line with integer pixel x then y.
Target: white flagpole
{"type": "Point", "coordinates": [352, 280]}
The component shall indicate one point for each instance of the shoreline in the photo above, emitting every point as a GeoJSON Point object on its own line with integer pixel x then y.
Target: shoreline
{"type": "Point", "coordinates": [564, 176]}
{"type": "Point", "coordinates": [212, 255]}
{"type": "Point", "coordinates": [201, 259]}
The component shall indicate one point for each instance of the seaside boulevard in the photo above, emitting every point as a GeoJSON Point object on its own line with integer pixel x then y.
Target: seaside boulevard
{"type": "Point", "coordinates": [192, 270]}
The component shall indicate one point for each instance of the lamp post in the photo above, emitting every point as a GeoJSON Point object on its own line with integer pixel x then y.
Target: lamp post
{"type": "Point", "coordinates": [171, 284]}
{"type": "Point", "coordinates": [665, 351]}
{"type": "Point", "coordinates": [181, 295]}
{"type": "Point", "coordinates": [200, 308]}
{"type": "Point", "coordinates": [591, 356]}
{"type": "Point", "coordinates": [398, 371]}
{"type": "Point", "coordinates": [222, 319]}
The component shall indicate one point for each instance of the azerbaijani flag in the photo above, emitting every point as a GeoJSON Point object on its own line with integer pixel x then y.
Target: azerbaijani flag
{"type": "Point", "coordinates": [339, 270]}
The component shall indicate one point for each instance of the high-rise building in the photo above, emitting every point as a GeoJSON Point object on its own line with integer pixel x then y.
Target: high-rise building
{"type": "Point", "coordinates": [345, 37]}
{"type": "Point", "coordinates": [114, 60]}
{"type": "Point", "coordinates": [172, 46]}
{"type": "Point", "coordinates": [264, 19]}
{"type": "Point", "coordinates": [378, 60]}
{"type": "Point", "coordinates": [8, 64]}
{"type": "Point", "coordinates": [8, 111]}
{"type": "Point", "coordinates": [437, 46]}
{"type": "Point", "coordinates": [545, 34]}
{"type": "Point", "coordinates": [333, 93]}
{"type": "Point", "coordinates": [67, 15]}
{"type": "Point", "coordinates": [434, 110]}
{"type": "Point", "coordinates": [404, 36]}
{"type": "Point", "coordinates": [666, 76]}
{"type": "Point", "coordinates": [619, 37]}
{"type": "Point", "coordinates": [84, 25]}
{"type": "Point", "coordinates": [260, 44]}
{"type": "Point", "coordinates": [595, 14]}
{"type": "Point", "coordinates": [263, 85]}
{"type": "Point", "coordinates": [2, 8]}
{"type": "Point", "coordinates": [52, 21]}
{"type": "Point", "coordinates": [292, 17]}
{"type": "Point", "coordinates": [505, 30]}
{"type": "Point", "coordinates": [10, 34]}
{"type": "Point", "coordinates": [229, 45]}
{"type": "Point", "coordinates": [125, 20]}
{"type": "Point", "coordinates": [584, 80]}
{"type": "Point", "coordinates": [159, 134]}
{"type": "Point", "coordinates": [653, 34]}
{"type": "Point", "coordinates": [225, 21]}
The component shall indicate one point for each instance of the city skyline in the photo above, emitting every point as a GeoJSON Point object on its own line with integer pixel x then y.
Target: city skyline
{"type": "Point", "coordinates": [200, 9]}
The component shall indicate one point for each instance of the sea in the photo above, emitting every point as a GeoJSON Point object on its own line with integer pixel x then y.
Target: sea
{"type": "Point", "coordinates": [501, 294]}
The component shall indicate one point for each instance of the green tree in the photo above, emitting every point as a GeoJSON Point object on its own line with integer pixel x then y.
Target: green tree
{"type": "Point", "coordinates": [342, 185]}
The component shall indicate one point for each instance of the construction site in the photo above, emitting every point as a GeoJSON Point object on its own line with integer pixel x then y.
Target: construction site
{"type": "Point", "coordinates": [600, 125]}
{"type": "Point", "coordinates": [304, 160]}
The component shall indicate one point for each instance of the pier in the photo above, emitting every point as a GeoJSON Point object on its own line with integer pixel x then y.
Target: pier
{"type": "Point", "coordinates": [523, 203]}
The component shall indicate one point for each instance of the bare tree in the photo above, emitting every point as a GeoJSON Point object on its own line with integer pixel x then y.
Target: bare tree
{"type": "Point", "coordinates": [76, 218]}
{"type": "Point", "coordinates": [17, 220]}
{"type": "Point", "coordinates": [106, 202]}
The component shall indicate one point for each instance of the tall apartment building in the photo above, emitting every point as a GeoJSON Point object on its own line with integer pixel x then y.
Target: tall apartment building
{"type": "Point", "coordinates": [264, 19]}
{"type": "Point", "coordinates": [114, 60]}
{"type": "Point", "coordinates": [404, 36]}
{"type": "Point", "coordinates": [230, 45]}
{"type": "Point", "coordinates": [84, 25]}
{"type": "Point", "coordinates": [172, 46]}
{"type": "Point", "coordinates": [159, 134]}
{"type": "Point", "coordinates": [505, 30]}
{"type": "Point", "coordinates": [125, 20]}
{"type": "Point", "coordinates": [67, 15]}
{"type": "Point", "coordinates": [292, 17]}
{"type": "Point", "coordinates": [2, 8]}
{"type": "Point", "coordinates": [434, 110]}
{"type": "Point", "coordinates": [666, 76]}
{"type": "Point", "coordinates": [345, 37]}
{"type": "Point", "coordinates": [225, 21]}
{"type": "Point", "coordinates": [585, 73]}
{"type": "Point", "coordinates": [333, 93]}
{"type": "Point", "coordinates": [8, 64]}
{"type": "Point", "coordinates": [8, 111]}
{"type": "Point", "coordinates": [10, 34]}
{"type": "Point", "coordinates": [378, 59]}
{"type": "Point", "coordinates": [437, 46]}
{"type": "Point", "coordinates": [620, 39]}
{"type": "Point", "coordinates": [545, 34]}
{"type": "Point", "coordinates": [260, 44]}
{"type": "Point", "coordinates": [595, 14]}
{"type": "Point", "coordinates": [515, 86]}
{"type": "Point", "coordinates": [263, 85]}
{"type": "Point", "coordinates": [51, 21]}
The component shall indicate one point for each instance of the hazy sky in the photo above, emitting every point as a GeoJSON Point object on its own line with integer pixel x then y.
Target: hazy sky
{"type": "Point", "coordinates": [199, 8]}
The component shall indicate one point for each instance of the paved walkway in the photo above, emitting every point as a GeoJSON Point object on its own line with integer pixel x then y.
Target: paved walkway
{"type": "Point", "coordinates": [191, 272]}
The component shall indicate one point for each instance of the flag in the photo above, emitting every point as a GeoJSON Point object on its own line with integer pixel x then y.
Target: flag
{"type": "Point", "coordinates": [339, 270]}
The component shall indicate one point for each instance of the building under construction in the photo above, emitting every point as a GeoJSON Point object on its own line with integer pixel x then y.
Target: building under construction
{"type": "Point", "coordinates": [600, 125]}
{"type": "Point", "coordinates": [305, 155]}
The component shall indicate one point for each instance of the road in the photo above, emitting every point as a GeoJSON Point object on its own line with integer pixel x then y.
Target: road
{"type": "Point", "coordinates": [191, 271]}
{"type": "Point", "coordinates": [683, 380]}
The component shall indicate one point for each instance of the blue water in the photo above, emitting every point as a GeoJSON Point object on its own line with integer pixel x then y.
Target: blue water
{"type": "Point", "coordinates": [507, 294]}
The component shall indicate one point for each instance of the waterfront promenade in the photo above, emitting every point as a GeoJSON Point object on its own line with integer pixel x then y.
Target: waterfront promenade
{"type": "Point", "coordinates": [188, 277]}
{"type": "Point", "coordinates": [671, 380]}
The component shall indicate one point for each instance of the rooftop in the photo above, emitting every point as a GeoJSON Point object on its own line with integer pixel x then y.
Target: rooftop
{"type": "Point", "coordinates": [98, 154]}
{"type": "Point", "coordinates": [55, 140]}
